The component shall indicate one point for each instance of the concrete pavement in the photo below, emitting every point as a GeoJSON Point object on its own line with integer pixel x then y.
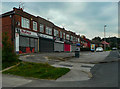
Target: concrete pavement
{"type": "Point", "coordinates": [51, 58]}
{"type": "Point", "coordinates": [80, 67]}
{"type": "Point", "coordinates": [14, 81]}
{"type": "Point", "coordinates": [79, 71]}
{"type": "Point", "coordinates": [105, 75]}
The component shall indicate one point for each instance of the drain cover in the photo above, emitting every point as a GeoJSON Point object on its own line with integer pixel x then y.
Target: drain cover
{"type": "Point", "coordinates": [66, 65]}
{"type": "Point", "coordinates": [86, 66]}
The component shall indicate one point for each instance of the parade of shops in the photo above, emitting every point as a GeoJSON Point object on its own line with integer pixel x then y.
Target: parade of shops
{"type": "Point", "coordinates": [31, 33]}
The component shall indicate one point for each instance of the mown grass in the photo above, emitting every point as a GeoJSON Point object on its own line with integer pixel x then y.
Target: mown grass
{"type": "Point", "coordinates": [108, 50]}
{"type": "Point", "coordinates": [8, 64]}
{"type": "Point", "coordinates": [37, 70]}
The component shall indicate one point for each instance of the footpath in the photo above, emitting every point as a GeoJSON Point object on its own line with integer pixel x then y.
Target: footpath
{"type": "Point", "coordinates": [80, 67]}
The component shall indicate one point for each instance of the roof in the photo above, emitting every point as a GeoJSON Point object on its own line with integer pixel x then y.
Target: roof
{"type": "Point", "coordinates": [7, 13]}
{"type": "Point", "coordinates": [104, 42]}
{"type": "Point", "coordinates": [19, 11]}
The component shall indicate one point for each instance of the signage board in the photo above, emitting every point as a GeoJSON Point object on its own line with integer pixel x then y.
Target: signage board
{"type": "Point", "coordinates": [92, 47]}
{"type": "Point", "coordinates": [17, 42]}
{"type": "Point", "coordinates": [59, 41]}
{"type": "Point", "coordinates": [28, 33]}
{"type": "Point", "coordinates": [45, 36]}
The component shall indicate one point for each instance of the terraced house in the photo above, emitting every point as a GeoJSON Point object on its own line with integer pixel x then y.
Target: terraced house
{"type": "Point", "coordinates": [31, 33]}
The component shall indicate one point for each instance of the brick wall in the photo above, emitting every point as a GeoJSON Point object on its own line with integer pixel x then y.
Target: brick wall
{"type": "Point", "coordinates": [6, 26]}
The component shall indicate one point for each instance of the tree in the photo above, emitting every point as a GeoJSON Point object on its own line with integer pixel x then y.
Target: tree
{"type": "Point", "coordinates": [96, 39]}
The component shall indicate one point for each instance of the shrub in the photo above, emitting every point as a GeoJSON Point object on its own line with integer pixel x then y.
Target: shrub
{"type": "Point", "coordinates": [9, 57]}
{"type": "Point", "coordinates": [84, 49]}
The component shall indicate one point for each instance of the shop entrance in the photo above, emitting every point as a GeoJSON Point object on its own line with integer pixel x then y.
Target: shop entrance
{"type": "Point", "coordinates": [28, 44]}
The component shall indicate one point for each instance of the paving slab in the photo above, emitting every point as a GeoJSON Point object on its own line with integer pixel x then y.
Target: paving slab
{"type": "Point", "coordinates": [14, 81]}
{"type": "Point", "coordinates": [74, 75]}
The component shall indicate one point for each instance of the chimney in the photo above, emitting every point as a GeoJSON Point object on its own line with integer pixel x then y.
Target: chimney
{"type": "Point", "coordinates": [15, 9]}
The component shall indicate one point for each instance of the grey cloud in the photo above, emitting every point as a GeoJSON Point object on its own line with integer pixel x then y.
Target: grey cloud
{"type": "Point", "coordinates": [85, 18]}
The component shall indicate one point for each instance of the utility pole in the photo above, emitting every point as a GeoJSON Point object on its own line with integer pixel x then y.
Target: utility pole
{"type": "Point", "coordinates": [104, 37]}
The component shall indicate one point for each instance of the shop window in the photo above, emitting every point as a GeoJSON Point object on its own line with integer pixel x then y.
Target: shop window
{"type": "Point", "coordinates": [25, 23]}
{"type": "Point", "coordinates": [36, 45]}
{"type": "Point", "coordinates": [34, 25]}
{"type": "Point", "coordinates": [41, 28]}
{"type": "Point", "coordinates": [48, 30]}
{"type": "Point", "coordinates": [24, 41]}
{"type": "Point", "coordinates": [32, 42]}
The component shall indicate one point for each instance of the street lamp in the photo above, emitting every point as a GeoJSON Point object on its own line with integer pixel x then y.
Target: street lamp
{"type": "Point", "coordinates": [104, 37]}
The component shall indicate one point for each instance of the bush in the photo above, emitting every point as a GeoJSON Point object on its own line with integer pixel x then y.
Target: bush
{"type": "Point", "coordinates": [108, 48]}
{"type": "Point", "coordinates": [84, 49]}
{"type": "Point", "coordinates": [9, 57]}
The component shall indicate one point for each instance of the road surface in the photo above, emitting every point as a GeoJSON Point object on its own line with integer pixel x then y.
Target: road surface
{"type": "Point", "coordinates": [104, 75]}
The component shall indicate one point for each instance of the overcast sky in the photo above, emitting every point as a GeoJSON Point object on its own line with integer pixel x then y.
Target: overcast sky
{"type": "Point", "coordinates": [84, 18]}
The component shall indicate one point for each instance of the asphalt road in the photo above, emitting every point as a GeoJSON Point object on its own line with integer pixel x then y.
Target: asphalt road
{"type": "Point", "coordinates": [104, 75]}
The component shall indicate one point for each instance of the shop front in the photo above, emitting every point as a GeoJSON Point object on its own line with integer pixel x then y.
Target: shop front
{"type": "Point", "coordinates": [46, 43]}
{"type": "Point", "coordinates": [59, 46]}
{"type": "Point", "coordinates": [26, 41]}
{"type": "Point", "coordinates": [67, 47]}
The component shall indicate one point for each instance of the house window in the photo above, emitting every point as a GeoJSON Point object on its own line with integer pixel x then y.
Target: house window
{"type": "Point", "coordinates": [41, 28]}
{"type": "Point", "coordinates": [34, 25]}
{"type": "Point", "coordinates": [48, 30]}
{"type": "Point", "coordinates": [56, 32]}
{"type": "Point", "coordinates": [74, 39]}
{"type": "Point", "coordinates": [67, 37]}
{"type": "Point", "coordinates": [71, 38]}
{"type": "Point", "coordinates": [60, 34]}
{"type": "Point", "coordinates": [63, 35]}
{"type": "Point", "coordinates": [78, 40]}
{"type": "Point", "coordinates": [25, 23]}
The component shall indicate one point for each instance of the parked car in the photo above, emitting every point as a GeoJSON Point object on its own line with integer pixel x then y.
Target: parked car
{"type": "Point", "coordinates": [114, 48]}
{"type": "Point", "coordinates": [99, 49]}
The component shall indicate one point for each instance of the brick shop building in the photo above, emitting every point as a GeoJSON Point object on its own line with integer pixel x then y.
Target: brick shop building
{"type": "Point", "coordinates": [31, 33]}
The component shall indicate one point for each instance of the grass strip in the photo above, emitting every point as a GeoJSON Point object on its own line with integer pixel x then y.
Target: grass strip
{"type": "Point", "coordinates": [37, 70]}
{"type": "Point", "coordinates": [9, 64]}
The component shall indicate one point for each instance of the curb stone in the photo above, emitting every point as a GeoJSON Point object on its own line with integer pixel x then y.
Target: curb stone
{"type": "Point", "coordinates": [100, 62]}
{"type": "Point", "coordinates": [88, 73]}
{"type": "Point", "coordinates": [9, 67]}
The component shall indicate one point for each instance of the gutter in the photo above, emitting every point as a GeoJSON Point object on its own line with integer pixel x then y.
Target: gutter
{"type": "Point", "coordinates": [7, 14]}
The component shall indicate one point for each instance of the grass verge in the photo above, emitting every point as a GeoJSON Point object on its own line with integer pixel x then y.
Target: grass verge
{"type": "Point", "coordinates": [9, 64]}
{"type": "Point", "coordinates": [37, 70]}
{"type": "Point", "coordinates": [108, 50]}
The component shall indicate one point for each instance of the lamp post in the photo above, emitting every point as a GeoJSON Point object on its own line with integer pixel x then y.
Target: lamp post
{"type": "Point", "coordinates": [104, 37]}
